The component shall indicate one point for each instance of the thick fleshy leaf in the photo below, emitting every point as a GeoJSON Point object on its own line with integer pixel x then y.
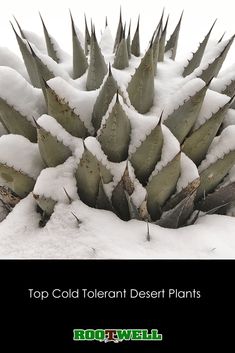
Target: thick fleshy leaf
{"type": "Point", "coordinates": [128, 42]}
{"type": "Point", "coordinates": [197, 144]}
{"type": "Point", "coordinates": [49, 43]}
{"type": "Point", "coordinates": [214, 67]}
{"type": "Point", "coordinates": [146, 156]}
{"type": "Point", "coordinates": [59, 109]}
{"type": "Point", "coordinates": [118, 33]}
{"type": "Point", "coordinates": [88, 175]}
{"type": "Point", "coordinates": [20, 29]}
{"type": "Point", "coordinates": [181, 121]}
{"type": "Point", "coordinates": [97, 68]}
{"type": "Point", "coordinates": [43, 71]}
{"type": "Point", "coordinates": [197, 56]}
{"type": "Point", "coordinates": [103, 100]}
{"type": "Point", "coordinates": [133, 210]}
{"type": "Point", "coordinates": [215, 173]}
{"type": "Point", "coordinates": [183, 194]}
{"type": "Point", "coordinates": [161, 186]}
{"type": "Point", "coordinates": [229, 89]}
{"type": "Point", "coordinates": [114, 136]}
{"type": "Point", "coordinates": [119, 196]}
{"type": "Point", "coordinates": [47, 204]}
{"type": "Point", "coordinates": [178, 216]}
{"type": "Point", "coordinates": [141, 86]}
{"type": "Point", "coordinates": [87, 37]}
{"type": "Point", "coordinates": [162, 41]}
{"type": "Point", "coordinates": [102, 201]}
{"type": "Point", "coordinates": [28, 60]}
{"type": "Point", "coordinates": [80, 63]}
{"type": "Point", "coordinates": [53, 152]}
{"type": "Point", "coordinates": [135, 44]}
{"type": "Point", "coordinates": [173, 41]}
{"type": "Point", "coordinates": [156, 42]}
{"type": "Point", "coordinates": [20, 183]}
{"type": "Point", "coordinates": [15, 122]}
{"type": "Point", "coordinates": [219, 200]}
{"type": "Point", "coordinates": [121, 60]}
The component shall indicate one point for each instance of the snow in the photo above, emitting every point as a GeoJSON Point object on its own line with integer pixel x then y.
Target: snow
{"type": "Point", "coordinates": [10, 59]}
{"type": "Point", "coordinates": [211, 104]}
{"type": "Point", "coordinates": [52, 182]}
{"type": "Point", "coordinates": [56, 69]}
{"type": "Point", "coordinates": [189, 172]}
{"type": "Point", "coordinates": [50, 124]}
{"type": "Point", "coordinates": [17, 92]}
{"type": "Point", "coordinates": [106, 42]}
{"type": "Point", "coordinates": [36, 40]}
{"type": "Point", "coordinates": [18, 152]}
{"type": "Point", "coordinates": [220, 146]}
{"type": "Point", "coordinates": [81, 101]}
{"type": "Point", "coordinates": [103, 235]}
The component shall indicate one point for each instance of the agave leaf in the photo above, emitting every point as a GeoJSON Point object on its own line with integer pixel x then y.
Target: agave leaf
{"type": "Point", "coordinates": [128, 42]}
{"type": "Point", "coordinates": [133, 210]}
{"type": "Point", "coordinates": [20, 29]}
{"type": "Point", "coordinates": [118, 33]}
{"type": "Point", "coordinates": [88, 176]}
{"type": "Point", "coordinates": [28, 60]}
{"type": "Point", "coordinates": [16, 123]}
{"type": "Point", "coordinates": [103, 100]}
{"type": "Point", "coordinates": [183, 194]}
{"type": "Point", "coordinates": [161, 186]}
{"type": "Point", "coordinates": [214, 67]}
{"type": "Point", "coordinates": [156, 43]}
{"type": "Point", "coordinates": [162, 41]}
{"type": "Point", "coordinates": [178, 216]}
{"type": "Point", "coordinates": [64, 114]}
{"type": "Point", "coordinates": [197, 56]}
{"type": "Point", "coordinates": [49, 43]}
{"type": "Point", "coordinates": [119, 195]}
{"type": "Point", "coordinates": [135, 44]}
{"type": "Point", "coordinates": [143, 212]}
{"type": "Point", "coordinates": [20, 183]}
{"type": "Point", "coordinates": [230, 89]}
{"type": "Point", "coordinates": [221, 38]}
{"type": "Point", "coordinates": [181, 121]}
{"type": "Point", "coordinates": [102, 201]}
{"type": "Point", "coordinates": [47, 204]}
{"type": "Point", "coordinates": [97, 68]}
{"type": "Point", "coordinates": [197, 144]}
{"type": "Point", "coordinates": [53, 152]}
{"type": "Point", "coordinates": [115, 134]}
{"type": "Point", "coordinates": [173, 41]}
{"type": "Point", "coordinates": [87, 37]}
{"type": "Point", "coordinates": [220, 198]}
{"type": "Point", "coordinates": [44, 73]}
{"type": "Point", "coordinates": [215, 173]}
{"type": "Point", "coordinates": [119, 202]}
{"type": "Point", "coordinates": [141, 86]}
{"type": "Point", "coordinates": [121, 60]}
{"type": "Point", "coordinates": [146, 156]}
{"type": "Point", "coordinates": [5, 127]}
{"type": "Point", "coordinates": [80, 64]}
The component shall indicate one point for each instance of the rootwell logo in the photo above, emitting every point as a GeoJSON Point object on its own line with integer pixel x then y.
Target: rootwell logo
{"type": "Point", "coordinates": [116, 335]}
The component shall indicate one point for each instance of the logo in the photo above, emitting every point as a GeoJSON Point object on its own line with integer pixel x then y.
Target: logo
{"type": "Point", "coordinates": [116, 335]}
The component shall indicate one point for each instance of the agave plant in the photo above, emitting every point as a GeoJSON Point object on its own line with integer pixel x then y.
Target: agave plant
{"type": "Point", "coordinates": [109, 127]}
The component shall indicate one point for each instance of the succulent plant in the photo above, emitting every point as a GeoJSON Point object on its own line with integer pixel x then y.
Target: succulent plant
{"type": "Point", "coordinates": [98, 126]}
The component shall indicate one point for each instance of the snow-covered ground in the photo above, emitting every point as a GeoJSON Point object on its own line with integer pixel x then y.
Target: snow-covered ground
{"type": "Point", "coordinates": [101, 234]}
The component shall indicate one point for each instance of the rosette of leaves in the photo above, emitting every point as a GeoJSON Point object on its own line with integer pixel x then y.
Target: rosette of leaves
{"type": "Point", "coordinates": [112, 129]}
